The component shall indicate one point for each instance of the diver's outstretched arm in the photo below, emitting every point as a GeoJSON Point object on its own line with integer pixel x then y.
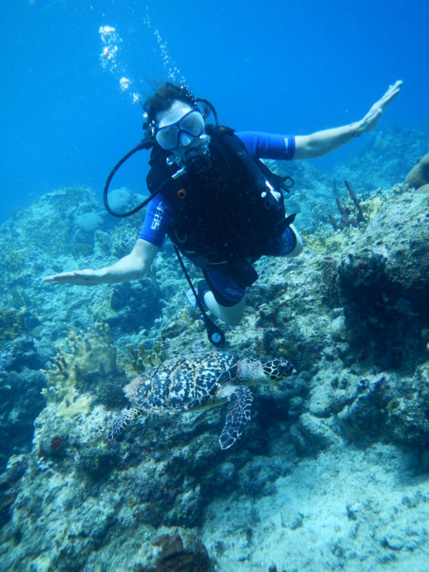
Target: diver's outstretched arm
{"type": "Point", "coordinates": [324, 142]}
{"type": "Point", "coordinates": [130, 267]}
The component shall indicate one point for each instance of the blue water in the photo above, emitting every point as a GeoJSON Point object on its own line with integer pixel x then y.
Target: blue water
{"type": "Point", "coordinates": [280, 66]}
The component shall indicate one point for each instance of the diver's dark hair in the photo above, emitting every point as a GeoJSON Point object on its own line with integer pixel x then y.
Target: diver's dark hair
{"type": "Point", "coordinates": [163, 98]}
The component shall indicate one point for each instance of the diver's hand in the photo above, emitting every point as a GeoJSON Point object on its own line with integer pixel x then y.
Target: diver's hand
{"type": "Point", "coordinates": [372, 117]}
{"type": "Point", "coordinates": [86, 277]}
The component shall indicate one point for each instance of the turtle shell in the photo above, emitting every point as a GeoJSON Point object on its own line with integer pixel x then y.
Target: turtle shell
{"type": "Point", "coordinates": [182, 383]}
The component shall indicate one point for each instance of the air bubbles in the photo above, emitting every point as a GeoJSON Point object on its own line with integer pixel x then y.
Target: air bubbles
{"type": "Point", "coordinates": [173, 72]}
{"type": "Point", "coordinates": [110, 60]}
{"type": "Point", "coordinates": [125, 83]}
{"type": "Point", "coordinates": [146, 19]}
{"type": "Point", "coordinates": [111, 42]}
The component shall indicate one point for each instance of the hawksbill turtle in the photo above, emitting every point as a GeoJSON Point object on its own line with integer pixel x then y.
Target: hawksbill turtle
{"type": "Point", "coordinates": [197, 381]}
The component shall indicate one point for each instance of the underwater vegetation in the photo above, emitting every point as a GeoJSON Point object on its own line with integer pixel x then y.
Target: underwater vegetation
{"type": "Point", "coordinates": [11, 324]}
{"type": "Point", "coordinates": [346, 213]}
{"type": "Point", "coordinates": [80, 359]}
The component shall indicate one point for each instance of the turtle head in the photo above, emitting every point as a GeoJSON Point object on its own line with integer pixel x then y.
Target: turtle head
{"type": "Point", "coordinates": [277, 369]}
{"type": "Point", "coordinates": [252, 370]}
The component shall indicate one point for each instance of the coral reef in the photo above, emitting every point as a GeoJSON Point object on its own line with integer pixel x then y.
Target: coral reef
{"type": "Point", "coordinates": [9, 483]}
{"type": "Point", "coordinates": [384, 277]}
{"type": "Point", "coordinates": [345, 213]}
{"type": "Point", "coordinates": [74, 367]}
{"type": "Point", "coordinates": [419, 174]}
{"type": "Point", "coordinates": [321, 448]}
{"type": "Point", "coordinates": [179, 552]}
{"type": "Point", "coordinates": [21, 403]}
{"type": "Point", "coordinates": [383, 161]}
{"type": "Point", "coordinates": [11, 324]}
{"type": "Point", "coordinates": [137, 305]}
{"type": "Point", "coordinates": [329, 285]}
{"type": "Point", "coordinates": [140, 358]}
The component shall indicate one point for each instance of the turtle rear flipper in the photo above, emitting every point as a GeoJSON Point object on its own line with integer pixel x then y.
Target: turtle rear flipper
{"type": "Point", "coordinates": [237, 416]}
{"type": "Point", "coordinates": [122, 421]}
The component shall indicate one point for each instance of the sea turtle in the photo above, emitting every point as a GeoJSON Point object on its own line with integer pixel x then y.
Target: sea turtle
{"type": "Point", "coordinates": [201, 380]}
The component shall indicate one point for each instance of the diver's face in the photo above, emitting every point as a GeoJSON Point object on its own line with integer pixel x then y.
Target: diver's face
{"type": "Point", "coordinates": [178, 127]}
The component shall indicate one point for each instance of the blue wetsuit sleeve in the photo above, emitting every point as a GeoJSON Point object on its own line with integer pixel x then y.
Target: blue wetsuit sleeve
{"type": "Point", "coordinates": [156, 221]}
{"type": "Point", "coordinates": [268, 145]}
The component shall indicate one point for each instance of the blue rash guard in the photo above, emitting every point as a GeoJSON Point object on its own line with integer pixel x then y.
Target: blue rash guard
{"type": "Point", "coordinates": [159, 213]}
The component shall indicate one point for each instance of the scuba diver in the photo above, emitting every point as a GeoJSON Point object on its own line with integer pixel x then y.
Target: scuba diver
{"type": "Point", "coordinates": [219, 204]}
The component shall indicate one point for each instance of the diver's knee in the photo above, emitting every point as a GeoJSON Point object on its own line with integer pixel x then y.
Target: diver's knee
{"type": "Point", "coordinates": [231, 315]}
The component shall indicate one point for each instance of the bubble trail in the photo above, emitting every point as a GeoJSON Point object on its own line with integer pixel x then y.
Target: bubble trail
{"type": "Point", "coordinates": [109, 59]}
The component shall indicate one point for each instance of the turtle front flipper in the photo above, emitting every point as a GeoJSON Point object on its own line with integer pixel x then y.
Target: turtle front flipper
{"type": "Point", "coordinates": [237, 416]}
{"type": "Point", "coordinates": [122, 421]}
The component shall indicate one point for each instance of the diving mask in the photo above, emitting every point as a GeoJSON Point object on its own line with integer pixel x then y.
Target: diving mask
{"type": "Point", "coordinates": [181, 132]}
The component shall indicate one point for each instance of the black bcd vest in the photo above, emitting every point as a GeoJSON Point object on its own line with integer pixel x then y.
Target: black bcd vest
{"type": "Point", "coordinates": [225, 215]}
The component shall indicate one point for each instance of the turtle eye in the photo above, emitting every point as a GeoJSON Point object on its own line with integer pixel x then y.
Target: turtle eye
{"type": "Point", "coordinates": [286, 368]}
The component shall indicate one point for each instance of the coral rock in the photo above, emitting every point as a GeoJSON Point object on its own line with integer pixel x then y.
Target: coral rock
{"type": "Point", "coordinates": [419, 174]}
{"type": "Point", "coordinates": [176, 554]}
{"type": "Point", "coordinates": [384, 274]}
